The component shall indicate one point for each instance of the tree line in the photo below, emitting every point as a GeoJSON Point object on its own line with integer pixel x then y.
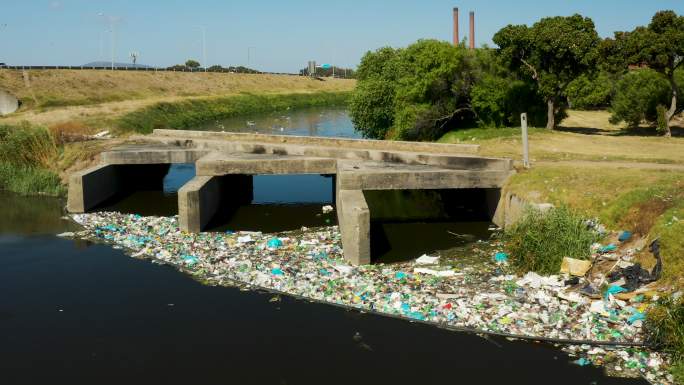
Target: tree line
{"type": "Point", "coordinates": [430, 87]}
{"type": "Point", "coordinates": [194, 65]}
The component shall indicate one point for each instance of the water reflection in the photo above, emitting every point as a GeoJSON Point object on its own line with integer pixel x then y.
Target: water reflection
{"type": "Point", "coordinates": [328, 122]}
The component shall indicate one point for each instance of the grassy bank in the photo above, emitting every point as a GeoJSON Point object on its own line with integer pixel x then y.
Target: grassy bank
{"type": "Point", "coordinates": [28, 160]}
{"type": "Point", "coordinates": [47, 89]}
{"type": "Point", "coordinates": [95, 100]}
{"type": "Point", "coordinates": [191, 113]}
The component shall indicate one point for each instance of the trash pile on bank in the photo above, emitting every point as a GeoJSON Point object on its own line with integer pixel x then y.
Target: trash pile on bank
{"type": "Point", "coordinates": [440, 289]}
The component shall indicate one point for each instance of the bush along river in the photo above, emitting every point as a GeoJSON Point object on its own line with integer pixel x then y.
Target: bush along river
{"type": "Point", "coordinates": [122, 296]}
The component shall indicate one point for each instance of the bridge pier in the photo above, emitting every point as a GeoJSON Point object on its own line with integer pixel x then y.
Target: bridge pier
{"type": "Point", "coordinates": [353, 217]}
{"type": "Point", "coordinates": [205, 197]}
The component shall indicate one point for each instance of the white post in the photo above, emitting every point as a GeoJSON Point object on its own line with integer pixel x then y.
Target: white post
{"type": "Point", "coordinates": [525, 143]}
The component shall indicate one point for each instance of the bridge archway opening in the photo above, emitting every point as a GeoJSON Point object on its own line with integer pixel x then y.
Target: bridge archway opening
{"type": "Point", "coordinates": [148, 189]}
{"type": "Point", "coordinates": [408, 223]}
{"type": "Point", "coordinates": [273, 203]}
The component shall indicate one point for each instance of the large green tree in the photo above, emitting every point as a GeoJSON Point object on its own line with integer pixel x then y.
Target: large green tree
{"type": "Point", "coordinates": [659, 46]}
{"type": "Point", "coordinates": [553, 52]}
{"type": "Point", "coordinates": [416, 93]}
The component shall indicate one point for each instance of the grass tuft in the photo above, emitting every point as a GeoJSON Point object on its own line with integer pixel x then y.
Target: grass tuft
{"type": "Point", "coordinates": [665, 326]}
{"type": "Point", "coordinates": [540, 240]}
{"type": "Point", "coordinates": [30, 180]}
{"type": "Point", "coordinates": [28, 160]}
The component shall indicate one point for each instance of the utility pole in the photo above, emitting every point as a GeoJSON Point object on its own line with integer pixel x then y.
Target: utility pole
{"type": "Point", "coordinates": [204, 47]}
{"type": "Point", "coordinates": [249, 57]}
{"type": "Point", "coordinates": [112, 32]}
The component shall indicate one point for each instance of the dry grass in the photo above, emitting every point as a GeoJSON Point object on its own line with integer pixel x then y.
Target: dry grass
{"type": "Point", "coordinates": [54, 88]}
{"type": "Point", "coordinates": [587, 135]}
{"type": "Point", "coordinates": [94, 98]}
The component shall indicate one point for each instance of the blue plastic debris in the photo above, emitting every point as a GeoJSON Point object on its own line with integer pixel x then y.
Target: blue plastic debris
{"type": "Point", "coordinates": [624, 236]}
{"type": "Point", "coordinates": [276, 271]}
{"type": "Point", "coordinates": [614, 289]}
{"type": "Point", "coordinates": [400, 275]}
{"type": "Point", "coordinates": [500, 257]}
{"type": "Point", "coordinates": [607, 248]}
{"type": "Point", "coordinates": [274, 243]}
{"type": "Point", "coordinates": [189, 259]}
{"type": "Point", "coordinates": [636, 316]}
{"type": "Point", "coordinates": [582, 361]}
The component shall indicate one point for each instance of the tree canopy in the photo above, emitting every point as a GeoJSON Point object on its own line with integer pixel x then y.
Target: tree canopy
{"type": "Point", "coordinates": [192, 63]}
{"type": "Point", "coordinates": [658, 46]}
{"type": "Point", "coordinates": [553, 52]}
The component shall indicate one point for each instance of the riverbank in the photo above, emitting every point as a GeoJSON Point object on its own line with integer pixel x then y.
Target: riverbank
{"type": "Point", "coordinates": [628, 180]}
{"type": "Point", "coordinates": [191, 113]}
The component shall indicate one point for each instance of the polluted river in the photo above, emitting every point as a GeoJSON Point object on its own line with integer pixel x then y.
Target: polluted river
{"type": "Point", "coordinates": [107, 302]}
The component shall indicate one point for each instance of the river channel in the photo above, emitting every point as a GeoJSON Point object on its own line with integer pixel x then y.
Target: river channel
{"type": "Point", "coordinates": [73, 312]}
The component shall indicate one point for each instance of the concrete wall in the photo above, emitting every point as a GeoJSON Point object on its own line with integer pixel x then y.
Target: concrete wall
{"type": "Point", "coordinates": [353, 217]}
{"type": "Point", "coordinates": [511, 208]}
{"type": "Point", "coordinates": [8, 103]}
{"type": "Point", "coordinates": [198, 202]}
{"type": "Point", "coordinates": [90, 187]}
{"type": "Point", "coordinates": [365, 144]}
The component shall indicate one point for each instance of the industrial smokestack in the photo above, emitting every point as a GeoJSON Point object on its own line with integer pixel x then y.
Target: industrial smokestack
{"type": "Point", "coordinates": [472, 30]}
{"type": "Point", "coordinates": [456, 37]}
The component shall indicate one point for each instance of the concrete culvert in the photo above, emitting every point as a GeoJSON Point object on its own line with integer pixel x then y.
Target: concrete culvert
{"type": "Point", "coordinates": [8, 103]}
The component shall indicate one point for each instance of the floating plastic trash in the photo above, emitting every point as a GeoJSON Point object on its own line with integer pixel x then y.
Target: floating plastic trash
{"type": "Point", "coordinates": [501, 257]}
{"type": "Point", "coordinates": [274, 243]}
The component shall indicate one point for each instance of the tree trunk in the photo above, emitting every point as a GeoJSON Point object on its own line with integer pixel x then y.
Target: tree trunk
{"type": "Point", "coordinates": [550, 114]}
{"type": "Point", "coordinates": [673, 106]}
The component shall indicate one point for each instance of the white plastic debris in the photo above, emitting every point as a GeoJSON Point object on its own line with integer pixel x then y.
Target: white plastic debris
{"type": "Point", "coordinates": [327, 209]}
{"type": "Point", "coordinates": [427, 260]}
{"type": "Point", "coordinates": [245, 239]}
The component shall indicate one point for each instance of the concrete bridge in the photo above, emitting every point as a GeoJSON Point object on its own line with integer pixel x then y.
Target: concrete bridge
{"type": "Point", "coordinates": [225, 163]}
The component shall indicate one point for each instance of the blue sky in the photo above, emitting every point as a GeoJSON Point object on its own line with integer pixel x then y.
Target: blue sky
{"type": "Point", "coordinates": [283, 34]}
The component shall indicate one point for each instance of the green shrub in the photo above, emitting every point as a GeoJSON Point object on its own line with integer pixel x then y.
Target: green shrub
{"type": "Point", "coordinates": [591, 91]}
{"type": "Point", "coordinates": [541, 239]}
{"type": "Point", "coordinates": [637, 97]}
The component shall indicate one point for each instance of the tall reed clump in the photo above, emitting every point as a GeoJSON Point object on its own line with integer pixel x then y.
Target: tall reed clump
{"type": "Point", "coordinates": [665, 327]}
{"type": "Point", "coordinates": [540, 240]}
{"type": "Point", "coordinates": [28, 159]}
{"type": "Point", "coordinates": [191, 113]}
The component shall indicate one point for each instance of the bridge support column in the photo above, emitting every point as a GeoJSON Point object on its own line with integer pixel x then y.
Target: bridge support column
{"type": "Point", "coordinates": [198, 202]}
{"type": "Point", "coordinates": [204, 197]}
{"type": "Point", "coordinates": [90, 187]}
{"type": "Point", "coordinates": [353, 217]}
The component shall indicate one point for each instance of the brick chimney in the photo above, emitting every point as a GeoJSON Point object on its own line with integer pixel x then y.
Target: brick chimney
{"type": "Point", "coordinates": [456, 37]}
{"type": "Point", "coordinates": [472, 30]}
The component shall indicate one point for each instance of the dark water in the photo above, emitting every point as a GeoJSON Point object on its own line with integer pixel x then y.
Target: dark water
{"type": "Point", "coordinates": [77, 313]}
{"type": "Point", "coordinates": [303, 122]}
